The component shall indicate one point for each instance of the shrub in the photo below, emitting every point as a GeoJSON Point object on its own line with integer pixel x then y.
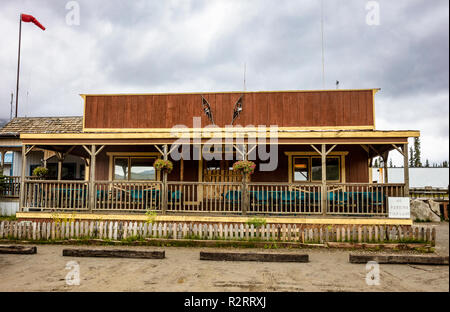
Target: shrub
{"type": "Point", "coordinates": [257, 222]}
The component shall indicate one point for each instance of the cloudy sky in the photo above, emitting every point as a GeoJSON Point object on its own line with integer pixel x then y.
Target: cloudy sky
{"type": "Point", "coordinates": [184, 46]}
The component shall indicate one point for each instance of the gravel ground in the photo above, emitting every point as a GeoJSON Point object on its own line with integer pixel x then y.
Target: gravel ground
{"type": "Point", "coordinates": [328, 270]}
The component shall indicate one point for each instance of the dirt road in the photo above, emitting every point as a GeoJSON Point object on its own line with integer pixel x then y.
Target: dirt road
{"type": "Point", "coordinates": [183, 271]}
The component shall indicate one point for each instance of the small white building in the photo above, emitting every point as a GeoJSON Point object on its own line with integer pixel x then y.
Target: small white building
{"type": "Point", "coordinates": [418, 177]}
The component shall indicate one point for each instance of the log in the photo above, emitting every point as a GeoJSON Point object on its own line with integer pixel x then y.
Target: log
{"type": "Point", "coordinates": [399, 259]}
{"type": "Point", "coordinates": [261, 257]}
{"type": "Point", "coordinates": [114, 253]}
{"type": "Point", "coordinates": [17, 250]}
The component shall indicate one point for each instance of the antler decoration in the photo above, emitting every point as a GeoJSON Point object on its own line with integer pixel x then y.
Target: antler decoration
{"type": "Point", "coordinates": [207, 110]}
{"type": "Point", "coordinates": [237, 109]}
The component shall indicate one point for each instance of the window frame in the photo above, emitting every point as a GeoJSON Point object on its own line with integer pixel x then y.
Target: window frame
{"type": "Point", "coordinates": [308, 169]}
{"type": "Point", "coordinates": [328, 157]}
{"type": "Point", "coordinates": [128, 174]}
{"type": "Point", "coordinates": [310, 177]}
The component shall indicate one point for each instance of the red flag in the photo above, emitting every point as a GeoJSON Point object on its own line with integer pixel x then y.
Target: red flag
{"type": "Point", "coordinates": [29, 18]}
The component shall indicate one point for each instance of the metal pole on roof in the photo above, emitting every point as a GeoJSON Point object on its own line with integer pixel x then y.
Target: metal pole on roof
{"type": "Point", "coordinates": [10, 113]}
{"type": "Point", "coordinates": [18, 63]}
{"type": "Point", "coordinates": [323, 54]}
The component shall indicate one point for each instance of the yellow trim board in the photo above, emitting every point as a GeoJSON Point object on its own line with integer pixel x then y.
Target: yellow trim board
{"type": "Point", "coordinates": [280, 134]}
{"type": "Point", "coordinates": [229, 92]}
{"type": "Point", "coordinates": [314, 153]}
{"type": "Point", "coordinates": [281, 220]}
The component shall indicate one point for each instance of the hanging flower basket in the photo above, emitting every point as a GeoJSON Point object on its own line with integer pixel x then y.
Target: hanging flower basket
{"type": "Point", "coordinates": [40, 172]}
{"type": "Point", "coordinates": [161, 164]}
{"type": "Point", "coordinates": [244, 166]}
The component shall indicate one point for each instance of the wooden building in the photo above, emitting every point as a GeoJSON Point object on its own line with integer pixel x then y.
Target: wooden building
{"type": "Point", "coordinates": [322, 144]}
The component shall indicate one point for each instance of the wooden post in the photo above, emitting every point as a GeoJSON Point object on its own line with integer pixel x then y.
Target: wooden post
{"type": "Point", "coordinates": [406, 169]}
{"type": "Point", "coordinates": [60, 161]}
{"type": "Point", "coordinates": [324, 179]}
{"type": "Point", "coordinates": [92, 195]}
{"type": "Point", "coordinates": [164, 186]}
{"type": "Point", "coordinates": [385, 165]}
{"type": "Point", "coordinates": [246, 201]}
{"type": "Point", "coordinates": [3, 161]}
{"type": "Point", "coordinates": [22, 178]}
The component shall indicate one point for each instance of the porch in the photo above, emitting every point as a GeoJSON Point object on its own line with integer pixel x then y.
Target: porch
{"type": "Point", "coordinates": [210, 198]}
{"type": "Point", "coordinates": [326, 173]}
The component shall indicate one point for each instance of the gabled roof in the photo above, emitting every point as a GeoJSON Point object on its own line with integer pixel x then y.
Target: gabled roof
{"type": "Point", "coordinates": [46, 125]}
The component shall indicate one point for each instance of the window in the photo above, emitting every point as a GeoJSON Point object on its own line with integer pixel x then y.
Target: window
{"type": "Point", "coordinates": [333, 169]}
{"type": "Point", "coordinates": [309, 169]}
{"type": "Point", "coordinates": [68, 171]}
{"type": "Point", "coordinates": [134, 168]}
{"type": "Point", "coordinates": [32, 167]}
{"type": "Point", "coordinates": [301, 169]}
{"type": "Point", "coordinates": [82, 172]}
{"type": "Point", "coordinates": [212, 165]}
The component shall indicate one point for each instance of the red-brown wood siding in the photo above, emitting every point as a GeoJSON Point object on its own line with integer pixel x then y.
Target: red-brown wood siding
{"type": "Point", "coordinates": [285, 109]}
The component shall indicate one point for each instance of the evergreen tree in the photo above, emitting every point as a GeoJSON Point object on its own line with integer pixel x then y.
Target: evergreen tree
{"type": "Point", "coordinates": [390, 163]}
{"type": "Point", "coordinates": [417, 161]}
{"type": "Point", "coordinates": [427, 164]}
{"type": "Point", "coordinates": [411, 157]}
{"type": "Point", "coordinates": [376, 165]}
{"type": "Point", "coordinates": [445, 164]}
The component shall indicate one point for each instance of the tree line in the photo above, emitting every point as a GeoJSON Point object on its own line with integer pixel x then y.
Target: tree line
{"type": "Point", "coordinates": [415, 160]}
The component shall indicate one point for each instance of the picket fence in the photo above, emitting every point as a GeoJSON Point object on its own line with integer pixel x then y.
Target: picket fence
{"type": "Point", "coordinates": [120, 230]}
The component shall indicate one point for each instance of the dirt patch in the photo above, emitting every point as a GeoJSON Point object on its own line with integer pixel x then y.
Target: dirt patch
{"type": "Point", "coordinates": [182, 270]}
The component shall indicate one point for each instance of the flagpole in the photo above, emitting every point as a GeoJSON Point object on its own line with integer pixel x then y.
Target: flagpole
{"type": "Point", "coordinates": [18, 63]}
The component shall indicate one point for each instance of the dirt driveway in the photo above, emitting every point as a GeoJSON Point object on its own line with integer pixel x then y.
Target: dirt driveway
{"type": "Point", "coordinates": [183, 271]}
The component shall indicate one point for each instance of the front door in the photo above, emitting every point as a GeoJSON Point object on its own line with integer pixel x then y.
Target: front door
{"type": "Point", "coordinates": [219, 171]}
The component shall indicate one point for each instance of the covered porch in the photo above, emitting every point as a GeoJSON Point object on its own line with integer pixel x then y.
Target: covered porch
{"type": "Point", "coordinates": [318, 174]}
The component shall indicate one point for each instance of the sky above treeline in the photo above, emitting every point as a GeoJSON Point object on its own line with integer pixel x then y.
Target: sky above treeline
{"type": "Point", "coordinates": [202, 46]}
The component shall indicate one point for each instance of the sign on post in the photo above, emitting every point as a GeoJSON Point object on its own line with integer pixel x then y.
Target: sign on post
{"type": "Point", "coordinates": [399, 207]}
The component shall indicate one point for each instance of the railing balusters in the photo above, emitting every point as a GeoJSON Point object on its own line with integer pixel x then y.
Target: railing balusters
{"type": "Point", "coordinates": [218, 197]}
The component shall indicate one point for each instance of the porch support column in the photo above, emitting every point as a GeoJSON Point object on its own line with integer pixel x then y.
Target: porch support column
{"type": "Point", "coordinates": [385, 165]}
{"type": "Point", "coordinates": [164, 186]}
{"type": "Point", "coordinates": [246, 202]}
{"type": "Point", "coordinates": [22, 178]}
{"type": "Point", "coordinates": [92, 195]}
{"type": "Point", "coordinates": [406, 169]}
{"type": "Point", "coordinates": [323, 154]}
{"type": "Point", "coordinates": [3, 161]}
{"type": "Point", "coordinates": [60, 162]}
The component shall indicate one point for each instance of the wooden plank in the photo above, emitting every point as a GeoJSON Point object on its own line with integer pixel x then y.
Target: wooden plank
{"type": "Point", "coordinates": [17, 250]}
{"type": "Point", "coordinates": [399, 259]}
{"type": "Point", "coordinates": [114, 253]}
{"type": "Point", "coordinates": [249, 256]}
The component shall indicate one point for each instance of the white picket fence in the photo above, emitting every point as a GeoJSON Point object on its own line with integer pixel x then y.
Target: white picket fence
{"type": "Point", "coordinates": [118, 230]}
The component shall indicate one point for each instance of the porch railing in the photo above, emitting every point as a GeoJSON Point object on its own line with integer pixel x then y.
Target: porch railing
{"type": "Point", "coordinates": [128, 196]}
{"type": "Point", "coordinates": [45, 195]}
{"type": "Point", "coordinates": [211, 197]}
{"type": "Point", "coordinates": [361, 199]}
{"type": "Point", "coordinates": [9, 186]}
{"type": "Point", "coordinates": [284, 198]}
{"type": "Point", "coordinates": [435, 193]}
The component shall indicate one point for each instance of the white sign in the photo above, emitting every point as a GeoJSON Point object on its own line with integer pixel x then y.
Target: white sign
{"type": "Point", "coordinates": [399, 207]}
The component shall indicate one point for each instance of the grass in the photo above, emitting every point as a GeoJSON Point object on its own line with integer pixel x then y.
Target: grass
{"type": "Point", "coordinates": [421, 221]}
{"type": "Point", "coordinates": [8, 218]}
